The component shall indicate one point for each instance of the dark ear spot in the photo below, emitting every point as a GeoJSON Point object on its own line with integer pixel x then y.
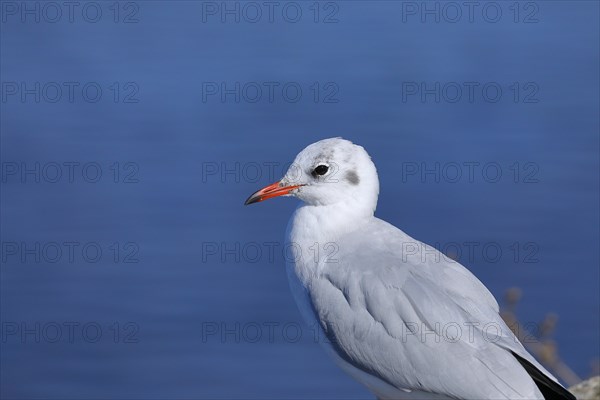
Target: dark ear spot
{"type": "Point", "coordinates": [352, 177]}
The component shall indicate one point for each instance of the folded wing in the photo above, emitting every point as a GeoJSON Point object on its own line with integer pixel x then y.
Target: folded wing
{"type": "Point", "coordinates": [421, 323]}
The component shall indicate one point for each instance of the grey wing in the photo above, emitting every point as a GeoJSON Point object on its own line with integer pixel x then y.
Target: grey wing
{"type": "Point", "coordinates": [421, 326]}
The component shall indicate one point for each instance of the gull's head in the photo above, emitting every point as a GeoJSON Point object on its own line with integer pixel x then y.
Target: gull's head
{"type": "Point", "coordinates": [330, 171]}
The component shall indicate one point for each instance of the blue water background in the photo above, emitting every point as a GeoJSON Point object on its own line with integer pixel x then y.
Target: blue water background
{"type": "Point", "coordinates": [175, 131]}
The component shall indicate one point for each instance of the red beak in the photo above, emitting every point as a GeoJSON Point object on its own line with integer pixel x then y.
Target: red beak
{"type": "Point", "coordinates": [273, 190]}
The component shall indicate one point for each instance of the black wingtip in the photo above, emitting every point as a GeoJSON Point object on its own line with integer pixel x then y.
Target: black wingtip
{"type": "Point", "coordinates": [550, 389]}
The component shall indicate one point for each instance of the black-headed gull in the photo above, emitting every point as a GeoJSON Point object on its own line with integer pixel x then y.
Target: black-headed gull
{"type": "Point", "coordinates": [407, 324]}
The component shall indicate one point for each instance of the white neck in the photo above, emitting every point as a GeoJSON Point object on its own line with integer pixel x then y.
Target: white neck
{"type": "Point", "coordinates": [312, 238]}
{"type": "Point", "coordinates": [325, 223]}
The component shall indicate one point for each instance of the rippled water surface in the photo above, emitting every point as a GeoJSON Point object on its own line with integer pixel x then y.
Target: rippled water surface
{"type": "Point", "coordinates": [194, 316]}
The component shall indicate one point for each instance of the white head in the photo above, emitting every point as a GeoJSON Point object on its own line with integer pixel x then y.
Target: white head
{"type": "Point", "coordinates": [328, 172]}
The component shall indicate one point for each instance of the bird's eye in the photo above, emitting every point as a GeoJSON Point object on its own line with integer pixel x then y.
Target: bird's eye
{"type": "Point", "coordinates": [321, 170]}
